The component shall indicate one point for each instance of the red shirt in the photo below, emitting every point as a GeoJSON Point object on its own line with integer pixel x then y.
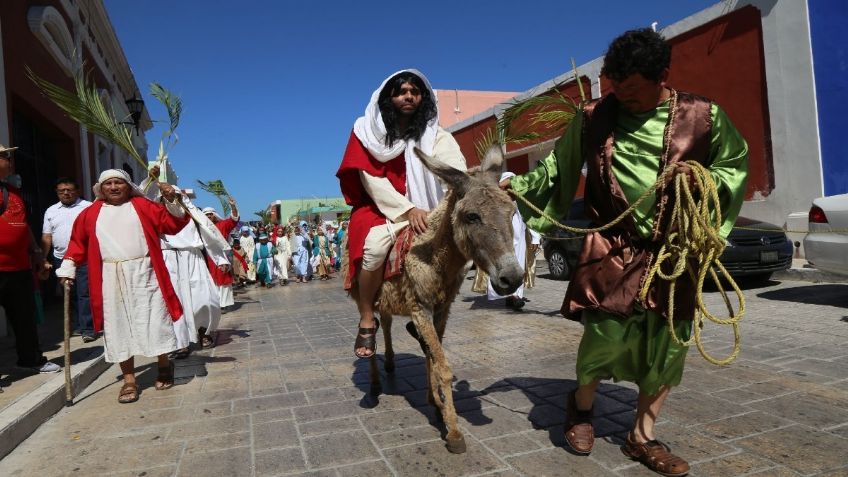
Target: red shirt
{"type": "Point", "coordinates": [14, 234]}
{"type": "Point", "coordinates": [365, 213]}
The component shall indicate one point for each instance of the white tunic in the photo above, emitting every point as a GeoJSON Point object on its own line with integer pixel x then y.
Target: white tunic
{"type": "Point", "coordinates": [135, 318]}
{"type": "Point", "coordinates": [248, 245]}
{"type": "Point", "coordinates": [281, 259]}
{"type": "Point", "coordinates": [192, 282]}
{"type": "Point", "coordinates": [519, 245]}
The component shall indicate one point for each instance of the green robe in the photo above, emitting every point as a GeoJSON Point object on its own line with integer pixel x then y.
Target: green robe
{"type": "Point", "coordinates": [637, 348]}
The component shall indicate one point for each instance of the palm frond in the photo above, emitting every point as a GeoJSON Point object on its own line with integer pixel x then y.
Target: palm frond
{"type": "Point", "coordinates": [264, 215]}
{"type": "Point", "coordinates": [216, 188]}
{"type": "Point", "coordinates": [173, 104]}
{"type": "Point", "coordinates": [545, 115]}
{"type": "Point", "coordinates": [491, 136]}
{"type": "Point", "coordinates": [84, 106]}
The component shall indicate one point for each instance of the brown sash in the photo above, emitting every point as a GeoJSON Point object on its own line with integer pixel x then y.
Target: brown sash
{"type": "Point", "coordinates": [613, 264]}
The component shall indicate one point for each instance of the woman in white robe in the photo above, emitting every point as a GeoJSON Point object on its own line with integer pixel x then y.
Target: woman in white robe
{"type": "Point", "coordinates": [248, 245]}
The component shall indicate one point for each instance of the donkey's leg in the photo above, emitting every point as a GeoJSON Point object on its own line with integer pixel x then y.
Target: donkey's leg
{"type": "Point", "coordinates": [440, 379]}
{"type": "Point", "coordinates": [389, 355]}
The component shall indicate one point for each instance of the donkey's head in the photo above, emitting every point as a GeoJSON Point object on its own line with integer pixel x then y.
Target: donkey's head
{"type": "Point", "coordinates": [482, 218]}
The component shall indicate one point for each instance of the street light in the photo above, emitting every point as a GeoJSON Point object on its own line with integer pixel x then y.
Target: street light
{"type": "Point", "coordinates": [135, 106]}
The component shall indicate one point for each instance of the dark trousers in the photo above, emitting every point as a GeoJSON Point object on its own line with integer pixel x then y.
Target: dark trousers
{"type": "Point", "coordinates": [17, 298]}
{"type": "Point", "coordinates": [80, 304]}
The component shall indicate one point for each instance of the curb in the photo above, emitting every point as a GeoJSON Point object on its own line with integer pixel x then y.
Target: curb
{"type": "Point", "coordinates": [806, 274]}
{"type": "Point", "coordinates": [24, 416]}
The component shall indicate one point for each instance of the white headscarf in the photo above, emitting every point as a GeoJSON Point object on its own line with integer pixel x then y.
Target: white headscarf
{"type": "Point", "coordinates": [115, 174]}
{"type": "Point", "coordinates": [423, 188]}
{"type": "Point", "coordinates": [211, 210]}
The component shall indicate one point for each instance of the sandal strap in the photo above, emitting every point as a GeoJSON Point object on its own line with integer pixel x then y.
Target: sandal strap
{"type": "Point", "coordinates": [127, 389]}
{"type": "Point", "coordinates": [657, 456]}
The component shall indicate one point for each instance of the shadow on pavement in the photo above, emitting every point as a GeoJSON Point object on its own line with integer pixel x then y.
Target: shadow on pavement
{"type": "Point", "coordinates": [539, 400]}
{"type": "Point", "coordinates": [614, 407]}
{"type": "Point", "coordinates": [225, 335]}
{"type": "Point", "coordinates": [832, 294]}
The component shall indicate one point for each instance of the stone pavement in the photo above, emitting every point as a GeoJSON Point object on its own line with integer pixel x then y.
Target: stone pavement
{"type": "Point", "coordinates": [282, 395]}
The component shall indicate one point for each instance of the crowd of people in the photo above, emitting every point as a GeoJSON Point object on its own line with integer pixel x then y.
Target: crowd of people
{"type": "Point", "coordinates": [269, 254]}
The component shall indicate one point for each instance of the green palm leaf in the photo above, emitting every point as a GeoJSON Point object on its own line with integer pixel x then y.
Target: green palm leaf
{"type": "Point", "coordinates": [216, 188]}
{"type": "Point", "coordinates": [84, 106]}
{"type": "Point", "coordinates": [173, 104]}
{"type": "Point", "coordinates": [535, 118]}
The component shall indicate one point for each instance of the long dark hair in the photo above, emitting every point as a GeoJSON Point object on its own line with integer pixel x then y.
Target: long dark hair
{"type": "Point", "coordinates": [418, 123]}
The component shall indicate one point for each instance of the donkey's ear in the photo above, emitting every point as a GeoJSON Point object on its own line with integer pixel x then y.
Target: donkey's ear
{"type": "Point", "coordinates": [454, 178]}
{"type": "Point", "coordinates": [493, 160]}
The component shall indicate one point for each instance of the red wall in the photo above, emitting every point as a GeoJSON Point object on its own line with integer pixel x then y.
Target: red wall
{"type": "Point", "coordinates": [468, 136]}
{"type": "Point", "coordinates": [20, 49]}
{"type": "Point", "coordinates": [723, 60]}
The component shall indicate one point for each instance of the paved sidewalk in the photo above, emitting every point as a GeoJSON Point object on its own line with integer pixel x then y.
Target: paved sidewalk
{"type": "Point", "coordinates": [282, 395]}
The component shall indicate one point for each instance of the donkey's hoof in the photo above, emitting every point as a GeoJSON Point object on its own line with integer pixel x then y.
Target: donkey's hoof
{"type": "Point", "coordinates": [456, 446]}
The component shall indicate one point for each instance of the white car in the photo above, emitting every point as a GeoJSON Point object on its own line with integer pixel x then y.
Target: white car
{"type": "Point", "coordinates": [826, 244]}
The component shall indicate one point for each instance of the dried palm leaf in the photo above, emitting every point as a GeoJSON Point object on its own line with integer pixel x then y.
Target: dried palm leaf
{"type": "Point", "coordinates": [84, 106]}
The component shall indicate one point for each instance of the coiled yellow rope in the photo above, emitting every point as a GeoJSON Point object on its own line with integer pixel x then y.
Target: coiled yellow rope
{"type": "Point", "coordinates": [692, 235]}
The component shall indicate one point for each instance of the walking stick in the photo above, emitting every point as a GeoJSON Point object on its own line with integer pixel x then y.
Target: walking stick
{"type": "Point", "coordinates": [69, 387]}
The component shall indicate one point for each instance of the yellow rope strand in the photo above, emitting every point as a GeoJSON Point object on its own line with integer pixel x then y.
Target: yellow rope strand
{"type": "Point", "coordinates": [692, 235]}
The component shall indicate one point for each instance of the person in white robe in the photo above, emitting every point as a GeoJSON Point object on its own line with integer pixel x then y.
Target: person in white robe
{"type": "Point", "coordinates": [281, 259]}
{"type": "Point", "coordinates": [132, 294]}
{"type": "Point", "coordinates": [189, 271]}
{"type": "Point", "coordinates": [248, 245]}
{"type": "Point", "coordinates": [519, 244]}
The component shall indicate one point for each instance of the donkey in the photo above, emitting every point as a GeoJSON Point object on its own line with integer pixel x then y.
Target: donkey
{"type": "Point", "coordinates": [472, 222]}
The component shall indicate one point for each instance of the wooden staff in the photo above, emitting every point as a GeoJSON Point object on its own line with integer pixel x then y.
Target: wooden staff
{"type": "Point", "coordinates": [69, 387]}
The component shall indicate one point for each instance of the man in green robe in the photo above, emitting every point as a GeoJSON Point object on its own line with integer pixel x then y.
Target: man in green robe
{"type": "Point", "coordinates": [626, 133]}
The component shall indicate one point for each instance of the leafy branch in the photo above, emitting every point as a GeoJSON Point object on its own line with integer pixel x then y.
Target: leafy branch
{"type": "Point", "coordinates": [216, 188]}
{"type": "Point", "coordinates": [84, 106]}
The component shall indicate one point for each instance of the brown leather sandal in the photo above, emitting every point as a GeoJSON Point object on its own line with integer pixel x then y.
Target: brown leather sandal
{"type": "Point", "coordinates": [165, 380]}
{"type": "Point", "coordinates": [206, 340]}
{"type": "Point", "coordinates": [656, 455]}
{"type": "Point", "coordinates": [367, 338]}
{"type": "Point", "coordinates": [579, 433]}
{"type": "Point", "coordinates": [128, 393]}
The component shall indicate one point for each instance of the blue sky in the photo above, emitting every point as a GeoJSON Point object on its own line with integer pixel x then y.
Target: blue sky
{"type": "Point", "coordinates": [271, 88]}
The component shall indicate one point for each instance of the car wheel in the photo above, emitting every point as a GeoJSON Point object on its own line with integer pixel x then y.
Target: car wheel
{"type": "Point", "coordinates": [557, 265]}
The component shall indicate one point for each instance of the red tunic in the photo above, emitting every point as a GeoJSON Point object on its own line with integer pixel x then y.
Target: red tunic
{"type": "Point", "coordinates": [365, 213]}
{"type": "Point", "coordinates": [221, 278]}
{"type": "Point", "coordinates": [84, 247]}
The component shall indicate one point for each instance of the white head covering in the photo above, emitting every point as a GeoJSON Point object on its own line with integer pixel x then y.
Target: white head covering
{"type": "Point", "coordinates": [506, 174]}
{"type": "Point", "coordinates": [115, 174]}
{"type": "Point", "coordinates": [423, 188]}
{"type": "Point", "coordinates": [211, 210]}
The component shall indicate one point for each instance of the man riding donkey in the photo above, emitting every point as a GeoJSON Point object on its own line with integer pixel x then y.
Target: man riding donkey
{"type": "Point", "coordinates": [387, 184]}
{"type": "Point", "coordinates": [626, 139]}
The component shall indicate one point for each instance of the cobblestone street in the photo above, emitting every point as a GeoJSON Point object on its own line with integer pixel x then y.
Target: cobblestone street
{"type": "Point", "coordinates": [282, 394]}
